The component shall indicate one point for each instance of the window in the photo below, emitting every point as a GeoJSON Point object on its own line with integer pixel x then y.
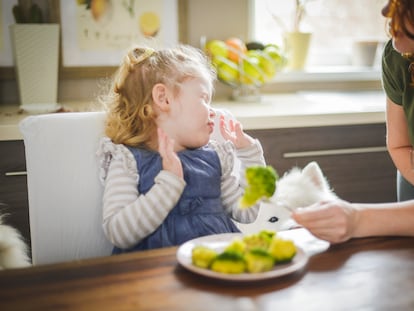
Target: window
{"type": "Point", "coordinates": [335, 26]}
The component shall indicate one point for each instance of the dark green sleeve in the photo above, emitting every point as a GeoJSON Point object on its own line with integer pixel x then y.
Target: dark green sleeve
{"type": "Point", "coordinates": [394, 73]}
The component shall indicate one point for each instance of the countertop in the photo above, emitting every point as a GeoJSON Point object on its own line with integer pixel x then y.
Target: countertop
{"type": "Point", "coordinates": [272, 111]}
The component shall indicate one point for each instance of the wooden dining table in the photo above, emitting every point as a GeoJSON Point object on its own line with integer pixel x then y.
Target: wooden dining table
{"type": "Point", "coordinates": [362, 274]}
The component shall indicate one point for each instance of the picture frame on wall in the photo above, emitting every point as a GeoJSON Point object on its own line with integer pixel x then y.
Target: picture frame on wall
{"type": "Point", "coordinates": [98, 35]}
{"type": "Point", "coordinates": [79, 59]}
{"type": "Point", "coordinates": [6, 19]}
{"type": "Point", "coordinates": [6, 53]}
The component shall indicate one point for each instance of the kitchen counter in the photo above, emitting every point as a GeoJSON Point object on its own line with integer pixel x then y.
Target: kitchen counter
{"type": "Point", "coordinates": [306, 109]}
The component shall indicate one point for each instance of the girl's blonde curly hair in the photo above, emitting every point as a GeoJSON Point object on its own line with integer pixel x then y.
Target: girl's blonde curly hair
{"type": "Point", "coordinates": [130, 115]}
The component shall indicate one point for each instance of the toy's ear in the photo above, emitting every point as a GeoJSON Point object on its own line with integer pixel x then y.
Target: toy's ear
{"type": "Point", "coordinates": [314, 173]}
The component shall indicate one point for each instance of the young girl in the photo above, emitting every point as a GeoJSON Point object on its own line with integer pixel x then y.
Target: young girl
{"type": "Point", "coordinates": [165, 181]}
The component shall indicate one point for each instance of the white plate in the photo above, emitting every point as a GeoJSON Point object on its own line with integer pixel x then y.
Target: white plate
{"type": "Point", "coordinates": [218, 242]}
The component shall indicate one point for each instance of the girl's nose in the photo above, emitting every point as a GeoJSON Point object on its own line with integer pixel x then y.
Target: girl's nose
{"type": "Point", "coordinates": [212, 113]}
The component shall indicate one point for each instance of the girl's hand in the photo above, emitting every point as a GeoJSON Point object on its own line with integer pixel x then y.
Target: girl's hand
{"type": "Point", "coordinates": [170, 161]}
{"type": "Point", "coordinates": [333, 221]}
{"type": "Point", "coordinates": [233, 131]}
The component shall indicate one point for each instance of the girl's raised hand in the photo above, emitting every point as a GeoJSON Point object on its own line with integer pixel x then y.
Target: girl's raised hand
{"type": "Point", "coordinates": [170, 161]}
{"type": "Point", "coordinates": [233, 131]}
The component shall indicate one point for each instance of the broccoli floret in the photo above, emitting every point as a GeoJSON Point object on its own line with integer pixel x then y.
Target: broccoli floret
{"type": "Point", "coordinates": [267, 234]}
{"type": "Point", "coordinates": [229, 262]}
{"type": "Point", "coordinates": [259, 240]}
{"type": "Point", "coordinates": [237, 245]}
{"type": "Point", "coordinates": [253, 253]}
{"type": "Point", "coordinates": [203, 256]}
{"type": "Point", "coordinates": [258, 260]}
{"type": "Point", "coordinates": [282, 250]}
{"type": "Point", "coordinates": [261, 183]}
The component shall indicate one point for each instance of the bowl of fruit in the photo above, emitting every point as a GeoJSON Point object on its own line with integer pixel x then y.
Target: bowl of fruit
{"type": "Point", "coordinates": [244, 66]}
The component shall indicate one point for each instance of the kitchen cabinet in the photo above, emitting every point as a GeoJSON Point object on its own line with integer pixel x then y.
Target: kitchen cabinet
{"type": "Point", "coordinates": [352, 157]}
{"type": "Point", "coordinates": [13, 187]}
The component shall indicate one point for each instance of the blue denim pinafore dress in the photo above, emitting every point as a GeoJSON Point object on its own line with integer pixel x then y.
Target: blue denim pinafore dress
{"type": "Point", "coordinates": [199, 211]}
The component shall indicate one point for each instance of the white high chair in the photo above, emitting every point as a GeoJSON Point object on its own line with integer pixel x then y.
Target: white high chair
{"type": "Point", "coordinates": [65, 195]}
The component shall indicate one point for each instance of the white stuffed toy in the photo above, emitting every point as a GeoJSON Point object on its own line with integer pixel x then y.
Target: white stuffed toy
{"type": "Point", "coordinates": [296, 188]}
{"type": "Point", "coordinates": [13, 250]}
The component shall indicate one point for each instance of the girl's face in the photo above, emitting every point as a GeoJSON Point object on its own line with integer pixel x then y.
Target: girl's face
{"type": "Point", "coordinates": [402, 42]}
{"type": "Point", "coordinates": [191, 115]}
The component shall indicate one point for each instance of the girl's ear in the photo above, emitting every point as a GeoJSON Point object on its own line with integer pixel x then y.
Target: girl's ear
{"type": "Point", "coordinates": [159, 95]}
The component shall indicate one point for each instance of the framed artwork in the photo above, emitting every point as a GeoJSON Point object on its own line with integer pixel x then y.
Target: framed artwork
{"type": "Point", "coordinates": [6, 19]}
{"type": "Point", "coordinates": [96, 33]}
{"type": "Point", "coordinates": [6, 55]}
{"type": "Point", "coordinates": [95, 38]}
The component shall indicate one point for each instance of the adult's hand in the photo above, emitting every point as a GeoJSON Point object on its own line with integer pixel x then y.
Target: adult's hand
{"type": "Point", "coordinates": [333, 221]}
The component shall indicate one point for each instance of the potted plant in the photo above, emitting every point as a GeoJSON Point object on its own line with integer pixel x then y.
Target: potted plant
{"type": "Point", "coordinates": [36, 57]}
{"type": "Point", "coordinates": [296, 40]}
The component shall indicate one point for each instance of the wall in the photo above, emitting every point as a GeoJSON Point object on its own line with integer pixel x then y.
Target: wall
{"type": "Point", "coordinates": [213, 19]}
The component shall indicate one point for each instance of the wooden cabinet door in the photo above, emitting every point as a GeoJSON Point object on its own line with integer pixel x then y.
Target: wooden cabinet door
{"type": "Point", "coordinates": [352, 157]}
{"type": "Point", "coordinates": [13, 187]}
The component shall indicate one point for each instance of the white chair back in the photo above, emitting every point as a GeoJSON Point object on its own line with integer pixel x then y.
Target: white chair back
{"type": "Point", "coordinates": [65, 194]}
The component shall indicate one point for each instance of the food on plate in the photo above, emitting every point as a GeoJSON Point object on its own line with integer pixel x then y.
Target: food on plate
{"type": "Point", "coordinates": [229, 262]}
{"type": "Point", "coordinates": [254, 253]}
{"type": "Point", "coordinates": [259, 260]}
{"type": "Point", "coordinates": [261, 239]}
{"type": "Point", "coordinates": [203, 256]}
{"type": "Point", "coordinates": [261, 184]}
{"type": "Point", "coordinates": [282, 250]}
{"type": "Point", "coordinates": [237, 245]}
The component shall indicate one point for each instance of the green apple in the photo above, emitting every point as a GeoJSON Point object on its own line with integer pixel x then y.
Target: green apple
{"type": "Point", "coordinates": [266, 63]}
{"type": "Point", "coordinates": [251, 71]}
{"type": "Point", "coordinates": [216, 48]}
{"type": "Point", "coordinates": [276, 53]}
{"type": "Point", "coordinates": [227, 71]}
{"type": "Point", "coordinates": [217, 60]}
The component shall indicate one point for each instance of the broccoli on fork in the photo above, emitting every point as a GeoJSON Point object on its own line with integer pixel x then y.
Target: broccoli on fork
{"type": "Point", "coordinates": [261, 183]}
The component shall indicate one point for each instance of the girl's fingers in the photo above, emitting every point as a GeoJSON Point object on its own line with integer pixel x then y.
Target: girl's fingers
{"type": "Point", "coordinates": [161, 141]}
{"type": "Point", "coordinates": [170, 160]}
{"type": "Point", "coordinates": [165, 145]}
{"type": "Point", "coordinates": [238, 130]}
{"type": "Point", "coordinates": [224, 129]}
{"type": "Point", "coordinates": [231, 125]}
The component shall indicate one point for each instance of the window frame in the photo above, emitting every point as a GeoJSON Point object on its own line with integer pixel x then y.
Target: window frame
{"type": "Point", "coordinates": [322, 77]}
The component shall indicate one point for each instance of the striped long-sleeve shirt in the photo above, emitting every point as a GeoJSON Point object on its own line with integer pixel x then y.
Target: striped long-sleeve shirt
{"type": "Point", "coordinates": [129, 217]}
